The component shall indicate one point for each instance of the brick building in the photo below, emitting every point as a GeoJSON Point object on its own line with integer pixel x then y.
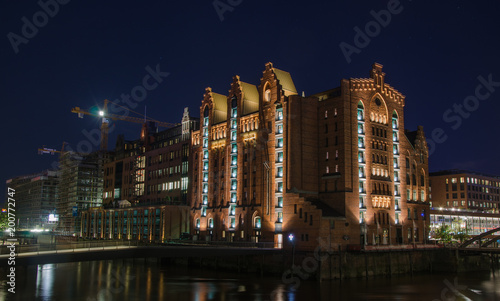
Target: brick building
{"type": "Point", "coordinates": [152, 169]}
{"type": "Point", "coordinates": [146, 186]}
{"type": "Point", "coordinates": [335, 165]}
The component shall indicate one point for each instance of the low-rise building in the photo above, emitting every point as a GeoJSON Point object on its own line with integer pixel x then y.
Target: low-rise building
{"type": "Point", "coordinates": [35, 199]}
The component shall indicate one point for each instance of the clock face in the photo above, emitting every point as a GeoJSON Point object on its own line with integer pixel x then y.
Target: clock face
{"type": "Point", "coordinates": [267, 95]}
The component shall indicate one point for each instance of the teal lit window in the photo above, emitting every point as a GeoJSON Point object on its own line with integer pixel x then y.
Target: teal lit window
{"type": "Point", "coordinates": [258, 224]}
{"type": "Point", "coordinates": [233, 197]}
{"type": "Point", "coordinates": [234, 184]}
{"type": "Point", "coordinates": [234, 148]}
{"type": "Point", "coordinates": [361, 114]}
{"type": "Point", "coordinates": [361, 157]}
{"type": "Point", "coordinates": [279, 172]}
{"type": "Point", "coordinates": [234, 112]}
{"type": "Point", "coordinates": [394, 123]}
{"type": "Point", "coordinates": [205, 199]}
{"type": "Point", "coordinates": [280, 202]}
{"type": "Point", "coordinates": [280, 157]}
{"type": "Point", "coordinates": [279, 114]}
{"type": "Point", "coordinates": [234, 172]}
{"type": "Point", "coordinates": [232, 223]}
{"type": "Point", "coordinates": [279, 129]}
{"type": "Point", "coordinates": [205, 154]}
{"type": "Point", "coordinates": [360, 128]}
{"type": "Point", "coordinates": [234, 159]}
{"type": "Point", "coordinates": [280, 143]}
{"type": "Point", "coordinates": [361, 142]}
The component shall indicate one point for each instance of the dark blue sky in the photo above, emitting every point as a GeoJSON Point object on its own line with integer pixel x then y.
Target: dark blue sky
{"type": "Point", "coordinates": [92, 50]}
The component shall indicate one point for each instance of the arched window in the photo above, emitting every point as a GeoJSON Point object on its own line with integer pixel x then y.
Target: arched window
{"type": "Point", "coordinates": [210, 223]}
{"type": "Point", "coordinates": [361, 108]}
{"type": "Point", "coordinates": [197, 223]}
{"type": "Point", "coordinates": [257, 222]}
{"type": "Point", "coordinates": [395, 121]}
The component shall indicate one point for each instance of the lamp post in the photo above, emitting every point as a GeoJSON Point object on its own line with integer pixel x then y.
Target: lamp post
{"type": "Point", "coordinates": [290, 237]}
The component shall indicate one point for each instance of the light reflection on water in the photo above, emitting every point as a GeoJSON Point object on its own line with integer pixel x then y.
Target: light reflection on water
{"type": "Point", "coordinates": [126, 280]}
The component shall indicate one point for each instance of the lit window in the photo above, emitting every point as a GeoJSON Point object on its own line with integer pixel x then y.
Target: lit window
{"type": "Point", "coordinates": [280, 156]}
{"type": "Point", "coordinates": [257, 222]}
{"type": "Point", "coordinates": [279, 172]}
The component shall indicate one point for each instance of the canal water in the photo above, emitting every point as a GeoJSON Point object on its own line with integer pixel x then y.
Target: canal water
{"type": "Point", "coordinates": [144, 280]}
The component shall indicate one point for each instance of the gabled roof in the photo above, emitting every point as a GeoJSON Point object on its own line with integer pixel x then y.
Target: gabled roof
{"type": "Point", "coordinates": [250, 98]}
{"type": "Point", "coordinates": [286, 81]}
{"type": "Point", "coordinates": [220, 107]}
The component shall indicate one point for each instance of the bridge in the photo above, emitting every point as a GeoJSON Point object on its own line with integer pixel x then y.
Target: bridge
{"type": "Point", "coordinates": [32, 255]}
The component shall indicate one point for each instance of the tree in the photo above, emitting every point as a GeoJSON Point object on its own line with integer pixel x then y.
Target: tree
{"type": "Point", "coordinates": [443, 233]}
{"type": "Point", "coordinates": [4, 221]}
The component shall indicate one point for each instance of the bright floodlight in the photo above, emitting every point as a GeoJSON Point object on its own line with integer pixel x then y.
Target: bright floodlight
{"type": "Point", "coordinates": [290, 237]}
{"type": "Point", "coordinates": [101, 113]}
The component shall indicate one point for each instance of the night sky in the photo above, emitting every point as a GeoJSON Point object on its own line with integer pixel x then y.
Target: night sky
{"type": "Point", "coordinates": [439, 54]}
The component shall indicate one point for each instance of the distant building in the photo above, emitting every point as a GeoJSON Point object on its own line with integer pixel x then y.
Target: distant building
{"type": "Point", "coordinates": [335, 165]}
{"type": "Point", "coordinates": [146, 186]}
{"type": "Point", "coordinates": [460, 189]}
{"type": "Point", "coordinates": [35, 200]}
{"type": "Point", "coordinates": [465, 201]}
{"type": "Point", "coordinates": [152, 169]}
{"type": "Point", "coordinates": [80, 188]}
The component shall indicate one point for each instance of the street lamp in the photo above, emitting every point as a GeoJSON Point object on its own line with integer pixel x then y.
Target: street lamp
{"type": "Point", "coordinates": [290, 237]}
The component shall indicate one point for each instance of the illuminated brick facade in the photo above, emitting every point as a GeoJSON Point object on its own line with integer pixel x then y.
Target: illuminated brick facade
{"type": "Point", "coordinates": [338, 164]}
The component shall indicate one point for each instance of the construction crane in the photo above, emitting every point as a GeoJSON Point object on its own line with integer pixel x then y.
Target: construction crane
{"type": "Point", "coordinates": [44, 150]}
{"type": "Point", "coordinates": [106, 116]}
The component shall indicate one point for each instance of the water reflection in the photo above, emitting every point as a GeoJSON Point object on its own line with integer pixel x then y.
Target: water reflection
{"type": "Point", "coordinates": [45, 280]}
{"type": "Point", "coordinates": [147, 280]}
